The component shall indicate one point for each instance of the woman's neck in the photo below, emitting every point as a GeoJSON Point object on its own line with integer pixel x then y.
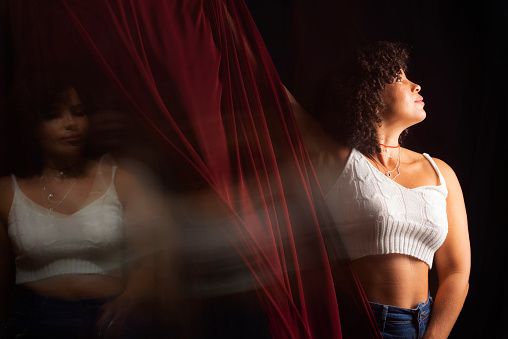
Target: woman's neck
{"type": "Point", "coordinates": [388, 139]}
{"type": "Point", "coordinates": [388, 134]}
{"type": "Point", "coordinates": [69, 166]}
{"type": "Point", "coordinates": [390, 148]}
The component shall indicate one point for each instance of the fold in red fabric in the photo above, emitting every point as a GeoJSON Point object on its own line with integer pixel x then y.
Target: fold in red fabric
{"type": "Point", "coordinates": [201, 81]}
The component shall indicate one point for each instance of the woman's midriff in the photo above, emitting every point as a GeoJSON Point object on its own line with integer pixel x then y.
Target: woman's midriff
{"type": "Point", "coordinates": [77, 286]}
{"type": "Point", "coordinates": [393, 279]}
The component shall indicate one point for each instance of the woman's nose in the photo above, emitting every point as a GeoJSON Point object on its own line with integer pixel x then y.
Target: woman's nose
{"type": "Point", "coordinates": [417, 88]}
{"type": "Point", "coordinates": [69, 120]}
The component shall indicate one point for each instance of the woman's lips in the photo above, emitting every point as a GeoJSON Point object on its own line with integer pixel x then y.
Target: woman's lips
{"type": "Point", "coordinates": [75, 139]}
{"type": "Point", "coordinates": [420, 101]}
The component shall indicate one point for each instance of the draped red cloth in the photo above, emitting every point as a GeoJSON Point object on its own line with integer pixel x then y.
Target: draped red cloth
{"type": "Point", "coordinates": [200, 80]}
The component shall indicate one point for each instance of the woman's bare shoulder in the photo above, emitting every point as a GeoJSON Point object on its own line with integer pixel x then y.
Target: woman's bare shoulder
{"type": "Point", "coordinates": [419, 157]}
{"type": "Point", "coordinates": [452, 182]}
{"type": "Point", "coordinates": [6, 186]}
{"type": "Point", "coordinates": [446, 171]}
{"type": "Point", "coordinates": [5, 180]}
{"type": "Point", "coordinates": [415, 158]}
{"type": "Point", "coordinates": [343, 153]}
{"type": "Point", "coordinates": [443, 167]}
{"type": "Point", "coordinates": [124, 177]}
{"type": "Point", "coordinates": [134, 180]}
{"type": "Point", "coordinates": [412, 156]}
{"type": "Point", "coordinates": [421, 170]}
{"type": "Point", "coordinates": [6, 196]}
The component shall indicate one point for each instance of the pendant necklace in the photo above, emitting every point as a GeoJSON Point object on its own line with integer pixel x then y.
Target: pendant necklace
{"type": "Point", "coordinates": [49, 194]}
{"type": "Point", "coordinates": [388, 173]}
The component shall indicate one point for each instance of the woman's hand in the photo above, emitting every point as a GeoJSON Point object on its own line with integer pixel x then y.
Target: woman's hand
{"type": "Point", "coordinates": [130, 309]}
{"type": "Point", "coordinates": [115, 315]}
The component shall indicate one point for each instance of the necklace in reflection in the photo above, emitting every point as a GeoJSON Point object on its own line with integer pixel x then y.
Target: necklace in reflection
{"type": "Point", "coordinates": [48, 192]}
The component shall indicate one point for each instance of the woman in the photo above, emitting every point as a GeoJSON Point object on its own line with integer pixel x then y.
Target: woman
{"type": "Point", "coordinates": [398, 212]}
{"type": "Point", "coordinates": [79, 230]}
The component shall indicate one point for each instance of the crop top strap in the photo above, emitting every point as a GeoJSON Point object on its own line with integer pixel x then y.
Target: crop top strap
{"type": "Point", "coordinates": [15, 182]}
{"type": "Point", "coordinates": [108, 160]}
{"type": "Point", "coordinates": [441, 178]}
{"type": "Point", "coordinates": [113, 172]}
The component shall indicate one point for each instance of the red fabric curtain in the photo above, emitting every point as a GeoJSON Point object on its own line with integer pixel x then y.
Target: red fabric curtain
{"type": "Point", "coordinates": [202, 83]}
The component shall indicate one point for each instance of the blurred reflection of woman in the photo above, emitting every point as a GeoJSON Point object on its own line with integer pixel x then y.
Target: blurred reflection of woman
{"type": "Point", "coordinates": [78, 229]}
{"type": "Point", "coordinates": [398, 211]}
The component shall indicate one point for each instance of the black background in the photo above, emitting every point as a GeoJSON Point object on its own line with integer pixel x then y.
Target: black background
{"type": "Point", "coordinates": [459, 50]}
{"type": "Point", "coordinates": [458, 57]}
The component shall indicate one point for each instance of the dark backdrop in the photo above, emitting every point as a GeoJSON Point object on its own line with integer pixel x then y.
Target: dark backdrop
{"type": "Point", "coordinates": [459, 54]}
{"type": "Point", "coordinates": [459, 50]}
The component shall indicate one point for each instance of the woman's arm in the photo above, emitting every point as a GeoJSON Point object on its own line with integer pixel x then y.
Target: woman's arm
{"type": "Point", "coordinates": [327, 156]}
{"type": "Point", "coordinates": [6, 270]}
{"type": "Point", "coordinates": [311, 131]}
{"type": "Point", "coordinates": [452, 261]}
{"type": "Point", "coordinates": [6, 255]}
{"type": "Point", "coordinates": [142, 220]}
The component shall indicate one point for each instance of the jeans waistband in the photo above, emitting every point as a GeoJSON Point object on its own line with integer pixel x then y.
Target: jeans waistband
{"type": "Point", "coordinates": [27, 299]}
{"type": "Point", "coordinates": [418, 313]}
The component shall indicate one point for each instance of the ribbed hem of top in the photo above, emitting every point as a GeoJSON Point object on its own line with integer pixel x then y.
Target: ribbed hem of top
{"type": "Point", "coordinates": [391, 236]}
{"type": "Point", "coordinates": [64, 267]}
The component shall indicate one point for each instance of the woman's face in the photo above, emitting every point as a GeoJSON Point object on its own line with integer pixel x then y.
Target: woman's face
{"type": "Point", "coordinates": [403, 105]}
{"type": "Point", "coordinates": [64, 129]}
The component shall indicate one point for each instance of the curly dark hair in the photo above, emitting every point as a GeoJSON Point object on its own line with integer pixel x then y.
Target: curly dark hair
{"type": "Point", "coordinates": [353, 116]}
{"type": "Point", "coordinates": [32, 99]}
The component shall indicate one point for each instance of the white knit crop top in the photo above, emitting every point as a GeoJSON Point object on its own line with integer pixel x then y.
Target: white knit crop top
{"type": "Point", "coordinates": [376, 215]}
{"type": "Point", "coordinates": [47, 243]}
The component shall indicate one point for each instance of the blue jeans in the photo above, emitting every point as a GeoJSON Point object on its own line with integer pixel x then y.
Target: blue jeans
{"type": "Point", "coordinates": [37, 316]}
{"type": "Point", "coordinates": [402, 323]}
